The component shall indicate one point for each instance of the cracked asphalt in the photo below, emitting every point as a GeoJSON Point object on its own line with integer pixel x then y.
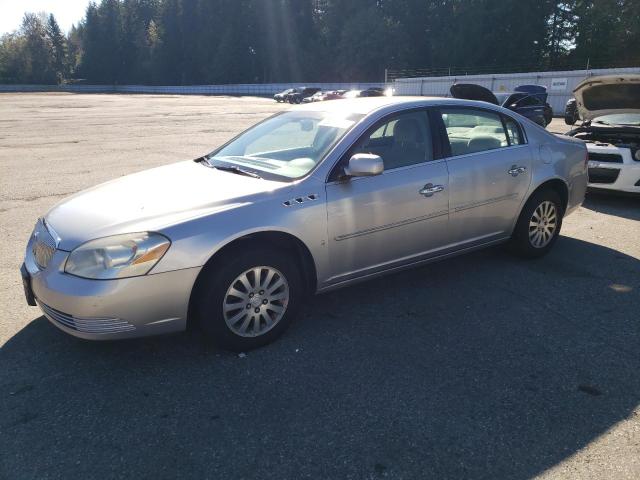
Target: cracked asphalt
{"type": "Point", "coordinates": [484, 366]}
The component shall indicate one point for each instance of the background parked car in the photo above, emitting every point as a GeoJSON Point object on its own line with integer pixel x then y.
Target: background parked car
{"type": "Point", "coordinates": [352, 94]}
{"type": "Point", "coordinates": [609, 107]}
{"type": "Point", "coordinates": [526, 104]}
{"type": "Point", "coordinates": [316, 97]}
{"type": "Point", "coordinates": [298, 96]}
{"type": "Point", "coordinates": [372, 92]}
{"type": "Point", "coordinates": [539, 92]}
{"type": "Point", "coordinates": [334, 95]}
{"type": "Point", "coordinates": [282, 96]}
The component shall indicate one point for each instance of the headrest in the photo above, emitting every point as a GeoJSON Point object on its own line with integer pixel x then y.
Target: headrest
{"type": "Point", "coordinates": [478, 144]}
{"type": "Point", "coordinates": [407, 131]}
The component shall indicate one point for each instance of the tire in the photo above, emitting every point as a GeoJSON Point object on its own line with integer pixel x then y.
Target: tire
{"type": "Point", "coordinates": [235, 329]}
{"type": "Point", "coordinates": [545, 209]}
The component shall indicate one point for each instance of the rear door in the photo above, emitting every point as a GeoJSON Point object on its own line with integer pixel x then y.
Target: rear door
{"type": "Point", "coordinates": [489, 166]}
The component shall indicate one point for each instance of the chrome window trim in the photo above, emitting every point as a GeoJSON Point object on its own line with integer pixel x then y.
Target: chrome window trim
{"type": "Point", "coordinates": [483, 152]}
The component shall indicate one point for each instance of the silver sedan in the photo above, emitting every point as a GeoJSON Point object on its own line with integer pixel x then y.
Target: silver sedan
{"type": "Point", "coordinates": [309, 200]}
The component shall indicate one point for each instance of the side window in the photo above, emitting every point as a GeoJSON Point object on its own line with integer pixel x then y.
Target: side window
{"type": "Point", "coordinates": [514, 132]}
{"type": "Point", "coordinates": [401, 141]}
{"type": "Point", "coordinates": [472, 131]}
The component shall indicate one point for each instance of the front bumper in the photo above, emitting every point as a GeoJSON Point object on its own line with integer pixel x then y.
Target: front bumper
{"type": "Point", "coordinates": [622, 175]}
{"type": "Point", "coordinates": [110, 309]}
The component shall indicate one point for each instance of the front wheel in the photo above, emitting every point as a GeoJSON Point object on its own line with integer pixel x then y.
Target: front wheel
{"type": "Point", "coordinates": [248, 301]}
{"type": "Point", "coordinates": [539, 225]}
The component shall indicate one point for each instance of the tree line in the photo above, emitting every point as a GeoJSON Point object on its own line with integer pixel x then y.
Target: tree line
{"type": "Point", "coordinates": [187, 42]}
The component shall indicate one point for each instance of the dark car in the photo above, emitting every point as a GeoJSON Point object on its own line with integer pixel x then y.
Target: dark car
{"type": "Point", "coordinates": [334, 95]}
{"type": "Point", "coordinates": [282, 96]}
{"type": "Point", "coordinates": [539, 92]}
{"type": "Point", "coordinates": [298, 96]}
{"type": "Point", "coordinates": [571, 115]}
{"type": "Point", "coordinates": [527, 104]}
{"type": "Point", "coordinates": [372, 92]}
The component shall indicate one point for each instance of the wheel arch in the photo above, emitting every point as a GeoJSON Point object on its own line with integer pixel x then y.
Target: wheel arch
{"type": "Point", "coordinates": [556, 184]}
{"type": "Point", "coordinates": [275, 239]}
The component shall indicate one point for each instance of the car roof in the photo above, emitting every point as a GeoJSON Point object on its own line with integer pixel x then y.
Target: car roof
{"type": "Point", "coordinates": [368, 105]}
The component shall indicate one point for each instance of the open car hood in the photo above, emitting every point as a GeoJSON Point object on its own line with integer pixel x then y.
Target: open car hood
{"type": "Point", "coordinates": [471, 91]}
{"type": "Point", "coordinates": [598, 96]}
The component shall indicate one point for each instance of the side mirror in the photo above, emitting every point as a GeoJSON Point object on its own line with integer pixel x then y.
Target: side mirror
{"type": "Point", "coordinates": [364, 165]}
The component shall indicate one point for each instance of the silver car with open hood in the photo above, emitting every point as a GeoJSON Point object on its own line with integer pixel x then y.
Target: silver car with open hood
{"type": "Point", "coordinates": [309, 200]}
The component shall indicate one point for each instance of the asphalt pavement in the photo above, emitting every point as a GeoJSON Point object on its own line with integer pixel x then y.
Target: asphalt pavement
{"type": "Point", "coordinates": [480, 367]}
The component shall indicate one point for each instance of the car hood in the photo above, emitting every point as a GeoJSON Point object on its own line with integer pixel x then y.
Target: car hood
{"type": "Point", "coordinates": [471, 91]}
{"type": "Point", "coordinates": [152, 200]}
{"type": "Point", "coordinates": [598, 96]}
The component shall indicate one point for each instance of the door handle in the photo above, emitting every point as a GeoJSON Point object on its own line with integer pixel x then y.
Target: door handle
{"type": "Point", "coordinates": [429, 189]}
{"type": "Point", "coordinates": [516, 170]}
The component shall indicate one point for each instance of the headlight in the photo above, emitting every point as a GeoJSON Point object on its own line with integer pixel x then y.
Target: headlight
{"type": "Point", "coordinates": [120, 256]}
{"type": "Point", "coordinates": [637, 155]}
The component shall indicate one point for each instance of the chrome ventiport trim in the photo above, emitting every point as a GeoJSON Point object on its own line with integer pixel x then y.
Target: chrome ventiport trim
{"type": "Point", "coordinates": [86, 324]}
{"type": "Point", "coordinates": [301, 200]}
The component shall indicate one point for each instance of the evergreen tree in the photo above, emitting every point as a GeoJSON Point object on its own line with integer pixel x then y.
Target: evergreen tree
{"type": "Point", "coordinates": [228, 41]}
{"type": "Point", "coordinates": [58, 49]}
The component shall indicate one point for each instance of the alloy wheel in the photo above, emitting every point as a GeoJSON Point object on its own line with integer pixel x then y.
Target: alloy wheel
{"type": "Point", "coordinates": [256, 301]}
{"type": "Point", "coordinates": [543, 224]}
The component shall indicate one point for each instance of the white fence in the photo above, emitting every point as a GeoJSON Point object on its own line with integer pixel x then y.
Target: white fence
{"type": "Point", "coordinates": [239, 89]}
{"type": "Point", "coordinates": [560, 84]}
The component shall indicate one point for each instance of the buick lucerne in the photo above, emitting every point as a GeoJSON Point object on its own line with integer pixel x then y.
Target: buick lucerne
{"type": "Point", "coordinates": [309, 200]}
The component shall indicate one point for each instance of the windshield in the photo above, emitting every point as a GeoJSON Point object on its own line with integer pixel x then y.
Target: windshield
{"type": "Point", "coordinates": [502, 97]}
{"type": "Point", "coordinates": [619, 119]}
{"type": "Point", "coordinates": [288, 145]}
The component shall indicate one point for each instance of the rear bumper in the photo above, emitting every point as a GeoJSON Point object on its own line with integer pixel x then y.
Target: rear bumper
{"type": "Point", "coordinates": [111, 309]}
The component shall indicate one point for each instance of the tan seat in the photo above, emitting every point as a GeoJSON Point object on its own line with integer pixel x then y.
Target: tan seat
{"type": "Point", "coordinates": [408, 145]}
{"type": "Point", "coordinates": [482, 143]}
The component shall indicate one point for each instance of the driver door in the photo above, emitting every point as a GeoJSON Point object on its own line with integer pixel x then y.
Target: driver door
{"type": "Point", "coordinates": [398, 217]}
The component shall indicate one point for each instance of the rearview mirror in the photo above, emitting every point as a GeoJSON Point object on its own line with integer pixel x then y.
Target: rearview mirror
{"type": "Point", "coordinates": [364, 165]}
{"type": "Point", "coordinates": [306, 125]}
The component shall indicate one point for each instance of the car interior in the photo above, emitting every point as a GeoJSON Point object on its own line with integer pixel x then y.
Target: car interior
{"type": "Point", "coordinates": [400, 142]}
{"type": "Point", "coordinates": [473, 132]}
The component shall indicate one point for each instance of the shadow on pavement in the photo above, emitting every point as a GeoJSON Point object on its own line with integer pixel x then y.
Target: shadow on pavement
{"type": "Point", "coordinates": [484, 366]}
{"type": "Point", "coordinates": [614, 204]}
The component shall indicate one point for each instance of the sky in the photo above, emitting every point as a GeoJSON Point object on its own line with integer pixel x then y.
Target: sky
{"type": "Point", "coordinates": [67, 12]}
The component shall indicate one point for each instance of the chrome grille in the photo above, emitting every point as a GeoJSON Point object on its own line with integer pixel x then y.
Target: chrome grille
{"type": "Point", "coordinates": [100, 326]}
{"type": "Point", "coordinates": [43, 245]}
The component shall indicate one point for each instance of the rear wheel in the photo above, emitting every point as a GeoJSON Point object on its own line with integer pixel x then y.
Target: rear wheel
{"type": "Point", "coordinates": [539, 225]}
{"type": "Point", "coordinates": [248, 301]}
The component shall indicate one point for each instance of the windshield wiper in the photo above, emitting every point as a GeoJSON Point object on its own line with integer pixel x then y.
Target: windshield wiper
{"type": "Point", "coordinates": [237, 170]}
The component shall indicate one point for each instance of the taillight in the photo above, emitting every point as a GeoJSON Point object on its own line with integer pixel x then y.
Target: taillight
{"type": "Point", "coordinates": [586, 158]}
